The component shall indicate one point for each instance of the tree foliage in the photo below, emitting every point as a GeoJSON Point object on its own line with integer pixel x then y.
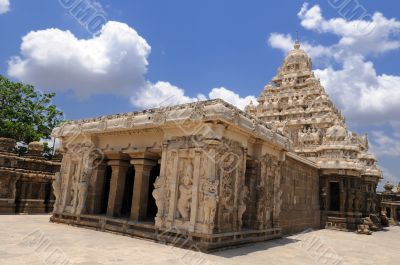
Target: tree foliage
{"type": "Point", "coordinates": [26, 114]}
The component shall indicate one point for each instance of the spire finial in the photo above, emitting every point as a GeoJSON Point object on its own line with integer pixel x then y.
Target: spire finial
{"type": "Point", "coordinates": [297, 42]}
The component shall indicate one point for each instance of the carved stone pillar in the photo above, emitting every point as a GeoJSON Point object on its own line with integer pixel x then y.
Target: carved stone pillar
{"type": "Point", "coordinates": [277, 194]}
{"type": "Point", "coordinates": [195, 193]}
{"type": "Point", "coordinates": [119, 170]}
{"type": "Point", "coordinates": [393, 213]}
{"type": "Point", "coordinates": [141, 187]}
{"type": "Point", "coordinates": [343, 196]}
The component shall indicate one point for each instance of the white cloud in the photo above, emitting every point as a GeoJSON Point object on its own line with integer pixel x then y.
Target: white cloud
{"type": "Point", "coordinates": [231, 97]}
{"type": "Point", "coordinates": [161, 94]}
{"type": "Point", "coordinates": [368, 34]}
{"type": "Point", "coordinates": [285, 44]}
{"type": "Point", "coordinates": [384, 145]}
{"type": "Point", "coordinates": [349, 77]}
{"type": "Point", "coordinates": [311, 18]}
{"type": "Point", "coordinates": [165, 94]}
{"type": "Point", "coordinates": [361, 93]}
{"type": "Point", "coordinates": [113, 62]}
{"type": "Point", "coordinates": [4, 6]}
{"type": "Point", "coordinates": [387, 176]}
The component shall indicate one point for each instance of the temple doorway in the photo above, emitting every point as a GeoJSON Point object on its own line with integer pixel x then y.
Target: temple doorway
{"type": "Point", "coordinates": [389, 212]}
{"type": "Point", "coordinates": [334, 195]}
{"type": "Point", "coordinates": [128, 193]}
{"type": "Point", "coordinates": [106, 190]}
{"type": "Point", "coordinates": [151, 202]}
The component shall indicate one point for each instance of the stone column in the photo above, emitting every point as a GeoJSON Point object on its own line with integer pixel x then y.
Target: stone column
{"type": "Point", "coordinates": [119, 170]}
{"type": "Point", "coordinates": [96, 187]}
{"type": "Point", "coordinates": [393, 213]}
{"type": "Point", "coordinates": [195, 190]}
{"type": "Point", "coordinates": [141, 188]}
{"type": "Point", "coordinates": [343, 196]}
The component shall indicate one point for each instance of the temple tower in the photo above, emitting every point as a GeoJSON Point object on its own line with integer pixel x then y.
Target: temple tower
{"type": "Point", "coordinates": [296, 104]}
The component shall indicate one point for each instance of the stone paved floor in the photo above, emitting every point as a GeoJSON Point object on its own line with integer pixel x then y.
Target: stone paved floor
{"type": "Point", "coordinates": [33, 240]}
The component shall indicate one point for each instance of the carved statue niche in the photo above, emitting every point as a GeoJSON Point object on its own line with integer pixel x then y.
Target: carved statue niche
{"type": "Point", "coordinates": [264, 194]}
{"type": "Point", "coordinates": [57, 190]}
{"type": "Point", "coordinates": [159, 194]}
{"type": "Point", "coordinates": [210, 200]}
{"type": "Point", "coordinates": [243, 198]}
{"type": "Point", "coordinates": [351, 200]}
{"type": "Point", "coordinates": [82, 188]}
{"type": "Point", "coordinates": [357, 201]}
{"type": "Point", "coordinates": [278, 205]}
{"type": "Point", "coordinates": [73, 194]}
{"type": "Point", "coordinates": [309, 136]}
{"type": "Point", "coordinates": [324, 198]}
{"type": "Point", "coordinates": [185, 192]}
{"type": "Point", "coordinates": [343, 198]}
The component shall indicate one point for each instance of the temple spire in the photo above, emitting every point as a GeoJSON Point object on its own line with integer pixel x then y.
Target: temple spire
{"type": "Point", "coordinates": [297, 42]}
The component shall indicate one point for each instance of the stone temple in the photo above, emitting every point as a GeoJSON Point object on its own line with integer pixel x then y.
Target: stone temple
{"type": "Point", "coordinates": [209, 175]}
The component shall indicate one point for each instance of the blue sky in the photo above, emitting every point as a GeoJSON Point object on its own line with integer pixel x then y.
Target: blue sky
{"type": "Point", "coordinates": [207, 49]}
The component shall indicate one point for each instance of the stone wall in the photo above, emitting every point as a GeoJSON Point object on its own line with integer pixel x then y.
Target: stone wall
{"type": "Point", "coordinates": [25, 181]}
{"type": "Point", "coordinates": [300, 198]}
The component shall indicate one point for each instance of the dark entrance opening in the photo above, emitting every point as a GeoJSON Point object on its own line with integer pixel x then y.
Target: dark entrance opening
{"type": "Point", "coordinates": [18, 196]}
{"type": "Point", "coordinates": [48, 196]}
{"type": "Point", "coordinates": [106, 190]}
{"type": "Point", "coordinates": [151, 202]}
{"type": "Point", "coordinates": [128, 193]}
{"type": "Point", "coordinates": [388, 212]}
{"type": "Point", "coordinates": [334, 195]}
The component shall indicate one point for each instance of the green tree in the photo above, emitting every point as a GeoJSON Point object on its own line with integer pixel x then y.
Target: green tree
{"type": "Point", "coordinates": [26, 114]}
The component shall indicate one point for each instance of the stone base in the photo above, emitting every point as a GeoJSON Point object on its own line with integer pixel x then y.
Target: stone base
{"type": "Point", "coordinates": [30, 206]}
{"type": "Point", "coordinates": [7, 206]}
{"type": "Point", "coordinates": [392, 222]}
{"type": "Point", "coordinates": [192, 241]}
{"type": "Point", "coordinates": [343, 221]}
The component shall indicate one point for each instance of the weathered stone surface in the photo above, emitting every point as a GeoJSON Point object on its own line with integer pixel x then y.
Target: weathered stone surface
{"type": "Point", "coordinates": [25, 181]}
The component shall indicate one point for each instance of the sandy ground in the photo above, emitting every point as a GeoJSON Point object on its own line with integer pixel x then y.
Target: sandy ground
{"type": "Point", "coordinates": [33, 240]}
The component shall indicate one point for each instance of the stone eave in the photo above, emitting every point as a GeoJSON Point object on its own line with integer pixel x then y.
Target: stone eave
{"type": "Point", "coordinates": [337, 146]}
{"type": "Point", "coordinates": [40, 160]}
{"type": "Point", "coordinates": [202, 111]}
{"type": "Point", "coordinates": [302, 159]}
{"type": "Point", "coordinates": [27, 173]}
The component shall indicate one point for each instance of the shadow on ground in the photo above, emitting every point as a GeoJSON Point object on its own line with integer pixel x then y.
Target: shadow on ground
{"type": "Point", "coordinates": [243, 250]}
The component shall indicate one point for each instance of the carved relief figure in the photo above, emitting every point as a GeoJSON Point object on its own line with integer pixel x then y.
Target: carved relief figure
{"type": "Point", "coordinates": [278, 204]}
{"type": "Point", "coordinates": [262, 211]}
{"type": "Point", "coordinates": [244, 193]}
{"type": "Point", "coordinates": [73, 188]}
{"type": "Point", "coordinates": [158, 194]}
{"type": "Point", "coordinates": [309, 136]}
{"type": "Point", "coordinates": [210, 200]}
{"type": "Point", "coordinates": [351, 200]}
{"type": "Point", "coordinates": [57, 190]}
{"type": "Point", "coordinates": [324, 196]}
{"type": "Point", "coordinates": [73, 194]}
{"type": "Point", "coordinates": [185, 193]}
{"type": "Point", "coordinates": [82, 195]}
